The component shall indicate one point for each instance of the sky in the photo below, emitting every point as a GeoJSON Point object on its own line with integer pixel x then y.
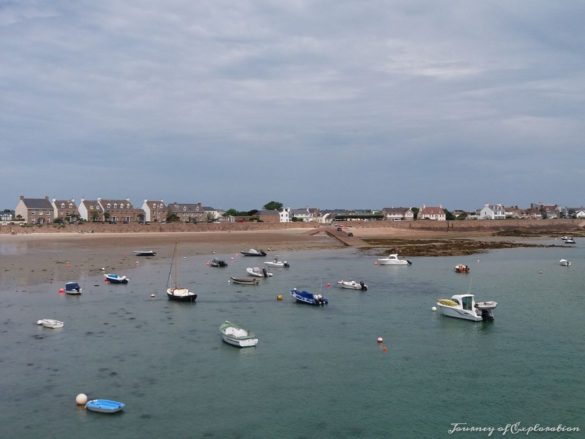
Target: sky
{"type": "Point", "coordinates": [359, 104]}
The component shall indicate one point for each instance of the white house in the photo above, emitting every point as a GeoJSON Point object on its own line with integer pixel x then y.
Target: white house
{"type": "Point", "coordinates": [432, 213]}
{"type": "Point", "coordinates": [580, 213]}
{"type": "Point", "coordinates": [492, 212]}
{"type": "Point", "coordinates": [398, 213]}
{"type": "Point", "coordinates": [285, 215]}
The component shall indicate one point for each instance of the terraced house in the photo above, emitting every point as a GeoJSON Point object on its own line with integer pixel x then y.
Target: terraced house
{"type": "Point", "coordinates": [120, 211]}
{"type": "Point", "coordinates": [65, 210]}
{"type": "Point", "coordinates": [188, 212]}
{"type": "Point", "coordinates": [34, 210]}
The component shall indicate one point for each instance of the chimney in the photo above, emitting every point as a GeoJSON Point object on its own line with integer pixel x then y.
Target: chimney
{"type": "Point", "coordinates": [22, 197]}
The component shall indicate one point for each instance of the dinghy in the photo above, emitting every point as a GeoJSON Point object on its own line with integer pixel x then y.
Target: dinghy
{"type": "Point", "coordinates": [235, 335]}
{"type": "Point", "coordinates": [50, 323]}
{"type": "Point", "coordinates": [104, 406]}
{"type": "Point", "coordinates": [244, 280]}
{"type": "Point", "coordinates": [258, 272]}
{"type": "Point", "coordinates": [352, 285]}
{"type": "Point", "coordinates": [116, 278]}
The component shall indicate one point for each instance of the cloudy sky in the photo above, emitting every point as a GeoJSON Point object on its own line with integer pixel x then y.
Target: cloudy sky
{"type": "Point", "coordinates": [325, 103]}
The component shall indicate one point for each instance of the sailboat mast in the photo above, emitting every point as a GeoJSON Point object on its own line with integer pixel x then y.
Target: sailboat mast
{"type": "Point", "coordinates": [171, 269]}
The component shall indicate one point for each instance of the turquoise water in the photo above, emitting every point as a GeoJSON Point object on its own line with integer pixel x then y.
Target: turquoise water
{"type": "Point", "coordinates": [317, 372]}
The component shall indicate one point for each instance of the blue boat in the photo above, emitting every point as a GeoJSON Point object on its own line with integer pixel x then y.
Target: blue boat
{"type": "Point", "coordinates": [116, 278]}
{"type": "Point", "coordinates": [309, 298]}
{"type": "Point", "coordinates": [104, 406]}
{"type": "Point", "coordinates": [72, 288]}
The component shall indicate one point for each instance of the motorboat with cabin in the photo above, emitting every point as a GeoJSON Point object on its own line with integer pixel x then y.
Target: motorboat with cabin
{"type": "Point", "coordinates": [72, 288]}
{"type": "Point", "coordinates": [393, 259]}
{"type": "Point", "coordinates": [464, 306]}
{"type": "Point", "coordinates": [309, 298]}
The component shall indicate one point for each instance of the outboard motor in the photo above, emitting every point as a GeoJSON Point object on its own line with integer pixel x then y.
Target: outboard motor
{"type": "Point", "coordinates": [486, 315]}
{"type": "Point", "coordinates": [285, 265]}
{"type": "Point", "coordinates": [264, 272]}
{"type": "Point", "coordinates": [363, 285]}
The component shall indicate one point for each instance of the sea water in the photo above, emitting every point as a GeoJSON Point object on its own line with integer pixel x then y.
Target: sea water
{"type": "Point", "coordinates": [317, 372]}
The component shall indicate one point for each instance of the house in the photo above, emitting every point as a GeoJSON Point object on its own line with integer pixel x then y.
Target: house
{"type": "Point", "coordinates": [187, 212]}
{"type": "Point", "coordinates": [155, 211]}
{"type": "Point", "coordinates": [398, 213]}
{"type": "Point", "coordinates": [34, 210]}
{"type": "Point", "coordinates": [307, 214]}
{"type": "Point", "coordinates": [90, 210]}
{"type": "Point", "coordinates": [65, 210]}
{"type": "Point", "coordinates": [7, 215]}
{"type": "Point", "coordinates": [432, 213]}
{"type": "Point", "coordinates": [120, 211]}
{"type": "Point", "coordinates": [492, 212]}
{"type": "Point", "coordinates": [580, 213]}
{"type": "Point", "coordinates": [514, 212]}
{"type": "Point", "coordinates": [285, 215]}
{"type": "Point", "coordinates": [212, 214]}
{"type": "Point", "coordinates": [551, 212]}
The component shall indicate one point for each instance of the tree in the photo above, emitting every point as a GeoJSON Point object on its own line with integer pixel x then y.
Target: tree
{"type": "Point", "coordinates": [415, 212]}
{"type": "Point", "coordinates": [230, 212]}
{"type": "Point", "coordinates": [273, 205]}
{"type": "Point", "coordinates": [172, 218]}
{"type": "Point", "coordinates": [448, 215]}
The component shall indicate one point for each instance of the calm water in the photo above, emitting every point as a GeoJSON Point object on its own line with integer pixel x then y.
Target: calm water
{"type": "Point", "coordinates": [317, 372]}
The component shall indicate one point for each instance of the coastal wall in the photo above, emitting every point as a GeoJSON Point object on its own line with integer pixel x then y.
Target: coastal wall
{"type": "Point", "coordinates": [541, 226]}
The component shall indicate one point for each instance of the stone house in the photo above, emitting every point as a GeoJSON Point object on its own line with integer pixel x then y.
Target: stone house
{"type": "Point", "coordinates": [432, 213]}
{"type": "Point", "coordinates": [34, 210]}
{"type": "Point", "coordinates": [212, 214]}
{"type": "Point", "coordinates": [492, 212]}
{"type": "Point", "coordinates": [120, 211]}
{"type": "Point", "coordinates": [398, 213]}
{"type": "Point", "coordinates": [65, 210]}
{"type": "Point", "coordinates": [155, 211]}
{"type": "Point", "coordinates": [188, 212]}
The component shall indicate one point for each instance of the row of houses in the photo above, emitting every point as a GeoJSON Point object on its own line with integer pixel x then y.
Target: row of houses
{"type": "Point", "coordinates": [46, 211]}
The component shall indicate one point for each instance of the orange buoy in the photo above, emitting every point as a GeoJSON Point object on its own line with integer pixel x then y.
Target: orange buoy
{"type": "Point", "coordinates": [61, 290]}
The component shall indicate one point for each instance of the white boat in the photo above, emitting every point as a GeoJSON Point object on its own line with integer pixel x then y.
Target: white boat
{"type": "Point", "coordinates": [565, 263]}
{"type": "Point", "coordinates": [569, 240]}
{"type": "Point", "coordinates": [258, 272]}
{"type": "Point", "coordinates": [393, 259]}
{"type": "Point", "coordinates": [464, 306]}
{"type": "Point", "coordinates": [352, 285]}
{"type": "Point", "coordinates": [236, 335]}
{"type": "Point", "coordinates": [50, 323]}
{"type": "Point", "coordinates": [277, 263]}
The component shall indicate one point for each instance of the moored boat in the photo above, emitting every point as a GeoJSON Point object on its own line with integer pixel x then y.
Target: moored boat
{"type": "Point", "coordinates": [218, 263]}
{"type": "Point", "coordinates": [116, 278]}
{"type": "Point", "coordinates": [104, 406]}
{"type": "Point", "coordinates": [175, 292]}
{"type": "Point", "coordinates": [352, 285]}
{"type": "Point", "coordinates": [464, 306]}
{"type": "Point", "coordinates": [144, 252]}
{"type": "Point", "coordinates": [565, 263]}
{"type": "Point", "coordinates": [278, 263]}
{"type": "Point", "coordinates": [254, 252]}
{"type": "Point", "coordinates": [50, 323]}
{"type": "Point", "coordinates": [393, 259]}
{"type": "Point", "coordinates": [72, 288]}
{"type": "Point", "coordinates": [569, 240]}
{"type": "Point", "coordinates": [309, 298]}
{"type": "Point", "coordinates": [244, 280]}
{"type": "Point", "coordinates": [462, 268]}
{"type": "Point", "coordinates": [258, 272]}
{"type": "Point", "coordinates": [235, 335]}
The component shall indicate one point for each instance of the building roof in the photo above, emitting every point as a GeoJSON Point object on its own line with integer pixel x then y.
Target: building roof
{"type": "Point", "coordinates": [426, 210]}
{"type": "Point", "coordinates": [185, 207]}
{"type": "Point", "coordinates": [115, 204]}
{"type": "Point", "coordinates": [37, 203]}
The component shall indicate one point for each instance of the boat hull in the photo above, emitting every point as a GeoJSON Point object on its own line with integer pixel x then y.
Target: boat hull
{"type": "Point", "coordinates": [352, 285]}
{"type": "Point", "coordinates": [309, 298]}
{"type": "Point", "coordinates": [181, 295]}
{"type": "Point", "coordinates": [115, 279]}
{"type": "Point", "coordinates": [458, 313]}
{"type": "Point", "coordinates": [244, 281]}
{"type": "Point", "coordinates": [145, 253]}
{"type": "Point", "coordinates": [235, 335]}
{"type": "Point", "coordinates": [50, 323]}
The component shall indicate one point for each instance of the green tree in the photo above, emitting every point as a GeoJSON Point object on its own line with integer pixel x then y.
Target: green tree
{"type": "Point", "coordinates": [172, 218]}
{"type": "Point", "coordinates": [448, 215]}
{"type": "Point", "coordinates": [273, 205]}
{"type": "Point", "coordinates": [415, 211]}
{"type": "Point", "coordinates": [230, 212]}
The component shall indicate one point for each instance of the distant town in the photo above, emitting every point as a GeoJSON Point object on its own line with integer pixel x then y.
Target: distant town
{"type": "Point", "coordinates": [40, 211]}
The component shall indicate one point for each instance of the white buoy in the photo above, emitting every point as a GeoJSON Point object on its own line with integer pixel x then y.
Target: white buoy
{"type": "Point", "coordinates": [152, 295]}
{"type": "Point", "coordinates": [81, 399]}
{"type": "Point", "coordinates": [380, 340]}
{"type": "Point", "coordinates": [434, 308]}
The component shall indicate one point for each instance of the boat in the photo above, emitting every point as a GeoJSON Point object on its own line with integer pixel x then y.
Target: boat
{"type": "Point", "coordinates": [565, 263]}
{"type": "Point", "coordinates": [104, 406]}
{"type": "Point", "coordinates": [244, 280]}
{"type": "Point", "coordinates": [235, 335]}
{"type": "Point", "coordinates": [175, 292]}
{"type": "Point", "coordinates": [352, 285]}
{"type": "Point", "coordinates": [50, 323]}
{"type": "Point", "coordinates": [258, 272]}
{"type": "Point", "coordinates": [393, 259]}
{"type": "Point", "coordinates": [116, 278]}
{"type": "Point", "coordinates": [277, 263]}
{"type": "Point", "coordinates": [144, 252]}
{"type": "Point", "coordinates": [253, 252]}
{"type": "Point", "coordinates": [220, 263]}
{"type": "Point", "coordinates": [72, 288]}
{"type": "Point", "coordinates": [569, 240]}
{"type": "Point", "coordinates": [464, 306]}
{"type": "Point", "coordinates": [309, 298]}
{"type": "Point", "coordinates": [462, 268]}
